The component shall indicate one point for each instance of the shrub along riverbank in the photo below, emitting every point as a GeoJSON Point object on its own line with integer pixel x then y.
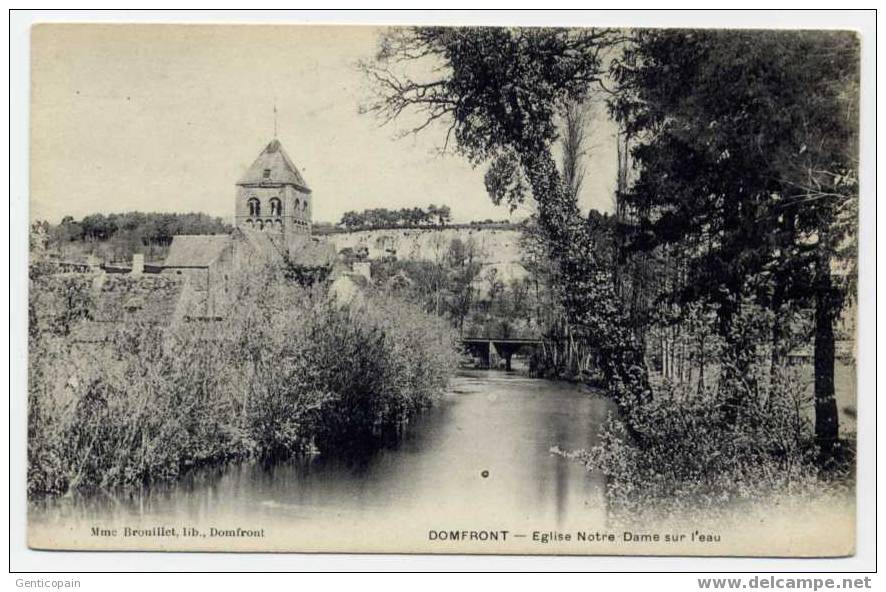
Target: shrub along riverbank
{"type": "Point", "coordinates": [718, 446]}
{"type": "Point", "coordinates": [288, 371]}
{"type": "Point", "coordinates": [680, 455]}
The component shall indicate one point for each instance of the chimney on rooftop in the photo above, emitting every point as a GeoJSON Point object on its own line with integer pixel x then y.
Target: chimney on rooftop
{"type": "Point", "coordinates": [138, 263]}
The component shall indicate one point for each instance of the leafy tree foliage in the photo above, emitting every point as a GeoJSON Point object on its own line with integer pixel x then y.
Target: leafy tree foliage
{"type": "Point", "coordinates": [443, 287]}
{"type": "Point", "coordinates": [403, 218]}
{"type": "Point", "coordinates": [155, 228]}
{"type": "Point", "coordinates": [744, 191]}
{"type": "Point", "coordinates": [129, 232]}
{"type": "Point", "coordinates": [746, 159]}
{"type": "Point", "coordinates": [505, 181]}
{"type": "Point", "coordinates": [500, 90]}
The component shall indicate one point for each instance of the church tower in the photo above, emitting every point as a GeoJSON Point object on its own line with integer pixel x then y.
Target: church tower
{"type": "Point", "coordinates": [273, 197]}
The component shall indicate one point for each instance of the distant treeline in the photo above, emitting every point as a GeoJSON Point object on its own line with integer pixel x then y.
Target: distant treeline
{"type": "Point", "coordinates": [324, 228]}
{"type": "Point", "coordinates": [385, 219]}
{"type": "Point", "coordinates": [404, 217]}
{"type": "Point", "coordinates": [118, 236]}
{"type": "Point", "coordinates": [150, 227]}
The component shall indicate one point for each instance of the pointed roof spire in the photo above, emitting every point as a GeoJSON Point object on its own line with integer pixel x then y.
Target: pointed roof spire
{"type": "Point", "coordinates": [274, 167]}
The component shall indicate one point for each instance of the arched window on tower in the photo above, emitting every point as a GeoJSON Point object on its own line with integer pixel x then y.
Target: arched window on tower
{"type": "Point", "coordinates": [276, 207]}
{"type": "Point", "coordinates": [254, 206]}
{"type": "Point", "coordinates": [304, 205]}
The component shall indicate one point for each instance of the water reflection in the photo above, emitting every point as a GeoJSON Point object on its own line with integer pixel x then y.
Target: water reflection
{"type": "Point", "coordinates": [485, 448]}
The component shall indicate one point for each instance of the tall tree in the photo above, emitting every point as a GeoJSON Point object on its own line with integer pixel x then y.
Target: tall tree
{"type": "Point", "coordinates": [497, 92]}
{"type": "Point", "coordinates": [746, 152]}
{"type": "Point", "coordinates": [574, 147]}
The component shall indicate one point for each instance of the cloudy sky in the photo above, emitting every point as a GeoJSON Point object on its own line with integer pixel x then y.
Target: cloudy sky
{"type": "Point", "coordinates": [166, 118]}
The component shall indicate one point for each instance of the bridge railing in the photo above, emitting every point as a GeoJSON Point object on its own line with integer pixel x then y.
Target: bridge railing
{"type": "Point", "coordinates": [487, 333]}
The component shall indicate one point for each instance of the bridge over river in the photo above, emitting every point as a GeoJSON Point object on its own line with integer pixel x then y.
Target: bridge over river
{"type": "Point", "coordinates": [492, 350]}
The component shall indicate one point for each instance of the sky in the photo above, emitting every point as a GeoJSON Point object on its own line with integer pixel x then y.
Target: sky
{"type": "Point", "coordinates": [166, 118]}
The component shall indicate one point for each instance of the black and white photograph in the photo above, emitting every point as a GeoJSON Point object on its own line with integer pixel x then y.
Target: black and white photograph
{"type": "Point", "coordinates": [443, 289]}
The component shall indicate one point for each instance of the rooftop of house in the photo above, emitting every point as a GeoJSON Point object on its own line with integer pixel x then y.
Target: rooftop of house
{"type": "Point", "coordinates": [269, 248]}
{"type": "Point", "coordinates": [201, 251]}
{"type": "Point", "coordinates": [188, 250]}
{"type": "Point", "coordinates": [150, 298]}
{"type": "Point", "coordinates": [118, 300]}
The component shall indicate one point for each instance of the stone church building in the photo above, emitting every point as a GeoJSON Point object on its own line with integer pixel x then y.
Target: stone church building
{"type": "Point", "coordinates": [272, 226]}
{"type": "Point", "coordinates": [197, 281]}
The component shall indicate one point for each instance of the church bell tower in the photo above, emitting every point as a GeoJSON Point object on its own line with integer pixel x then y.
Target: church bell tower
{"type": "Point", "coordinates": [273, 197]}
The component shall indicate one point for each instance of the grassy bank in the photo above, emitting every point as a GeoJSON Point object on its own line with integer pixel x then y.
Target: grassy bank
{"type": "Point", "coordinates": [287, 371]}
{"type": "Point", "coordinates": [689, 453]}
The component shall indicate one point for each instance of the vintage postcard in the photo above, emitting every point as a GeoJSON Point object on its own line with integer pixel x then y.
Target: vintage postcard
{"type": "Point", "coordinates": [474, 290]}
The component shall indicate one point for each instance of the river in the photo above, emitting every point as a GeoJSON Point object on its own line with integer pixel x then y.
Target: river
{"type": "Point", "coordinates": [479, 458]}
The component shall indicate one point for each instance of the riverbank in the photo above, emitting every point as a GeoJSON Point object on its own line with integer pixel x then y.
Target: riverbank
{"type": "Point", "coordinates": [287, 370]}
{"type": "Point", "coordinates": [432, 479]}
{"type": "Point", "coordinates": [682, 449]}
{"type": "Point", "coordinates": [477, 462]}
{"type": "Point", "coordinates": [683, 453]}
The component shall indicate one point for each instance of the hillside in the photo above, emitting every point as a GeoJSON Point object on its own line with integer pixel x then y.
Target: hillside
{"type": "Point", "coordinates": [493, 245]}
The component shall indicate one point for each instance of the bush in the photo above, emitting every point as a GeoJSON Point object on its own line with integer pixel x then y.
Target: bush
{"type": "Point", "coordinates": [684, 452]}
{"type": "Point", "coordinates": [379, 365]}
{"type": "Point", "coordinates": [288, 371]}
